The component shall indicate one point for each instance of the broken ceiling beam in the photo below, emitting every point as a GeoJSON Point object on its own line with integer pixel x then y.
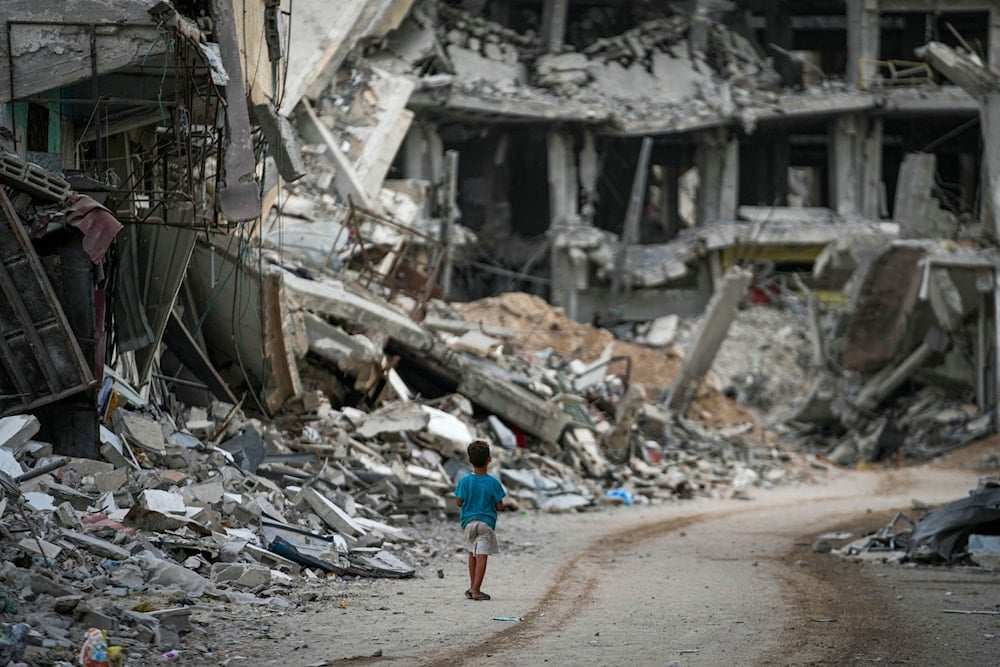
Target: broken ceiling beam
{"type": "Point", "coordinates": [509, 109]}
{"type": "Point", "coordinates": [239, 197]}
{"type": "Point", "coordinates": [945, 100]}
{"type": "Point", "coordinates": [315, 55]}
{"type": "Point", "coordinates": [512, 403]}
{"type": "Point", "coordinates": [346, 180]}
{"type": "Point", "coordinates": [41, 360]}
{"type": "Point", "coordinates": [281, 141]}
{"type": "Point", "coordinates": [983, 85]}
{"type": "Point", "coordinates": [787, 108]}
{"type": "Point", "coordinates": [488, 389]}
{"type": "Point", "coordinates": [384, 129]}
{"type": "Point", "coordinates": [881, 385]}
{"type": "Point", "coordinates": [333, 299]}
{"type": "Point", "coordinates": [709, 338]}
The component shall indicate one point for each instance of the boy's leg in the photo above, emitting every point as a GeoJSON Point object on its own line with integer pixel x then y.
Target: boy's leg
{"type": "Point", "coordinates": [479, 574]}
{"type": "Point", "coordinates": [472, 570]}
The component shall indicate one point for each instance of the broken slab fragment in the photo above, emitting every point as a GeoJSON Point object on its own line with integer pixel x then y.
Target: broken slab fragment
{"type": "Point", "coordinates": [381, 563]}
{"type": "Point", "coordinates": [446, 433]}
{"type": "Point", "coordinates": [241, 574]}
{"type": "Point", "coordinates": [40, 547]}
{"type": "Point", "coordinates": [96, 545]}
{"type": "Point", "coordinates": [142, 431]}
{"type": "Point", "coordinates": [331, 514]}
{"type": "Point", "coordinates": [566, 502]}
{"type": "Point", "coordinates": [396, 418]}
{"type": "Point", "coordinates": [17, 430]}
{"type": "Point", "coordinates": [10, 465]}
{"type": "Point", "coordinates": [163, 501]}
{"type": "Point", "coordinates": [711, 333]}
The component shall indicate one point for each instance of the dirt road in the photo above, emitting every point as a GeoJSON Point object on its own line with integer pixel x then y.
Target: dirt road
{"type": "Point", "coordinates": [703, 582]}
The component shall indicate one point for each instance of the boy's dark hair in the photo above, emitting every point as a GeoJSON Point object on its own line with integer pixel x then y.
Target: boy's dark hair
{"type": "Point", "coordinates": [479, 453]}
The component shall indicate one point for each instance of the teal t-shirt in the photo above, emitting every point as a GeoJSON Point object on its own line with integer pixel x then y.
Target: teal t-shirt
{"type": "Point", "coordinates": [480, 495]}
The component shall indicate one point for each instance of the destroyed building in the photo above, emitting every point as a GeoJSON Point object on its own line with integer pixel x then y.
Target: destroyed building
{"type": "Point", "coordinates": [236, 236]}
{"type": "Point", "coordinates": [617, 159]}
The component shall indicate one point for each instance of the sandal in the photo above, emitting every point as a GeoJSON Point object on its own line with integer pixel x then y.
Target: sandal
{"type": "Point", "coordinates": [481, 598]}
{"type": "Point", "coordinates": [468, 594]}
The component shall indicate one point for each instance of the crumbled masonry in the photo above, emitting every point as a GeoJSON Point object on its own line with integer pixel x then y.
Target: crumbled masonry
{"type": "Point", "coordinates": [267, 269]}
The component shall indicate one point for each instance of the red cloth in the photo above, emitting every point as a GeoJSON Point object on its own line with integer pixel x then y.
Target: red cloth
{"type": "Point", "coordinates": [97, 224]}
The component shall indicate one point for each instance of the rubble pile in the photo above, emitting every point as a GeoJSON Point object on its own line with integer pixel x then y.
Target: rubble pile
{"type": "Point", "coordinates": [902, 369]}
{"type": "Point", "coordinates": [963, 532]}
{"type": "Point", "coordinates": [645, 72]}
{"type": "Point", "coordinates": [766, 360]}
{"type": "Point", "coordinates": [207, 503]}
{"type": "Point", "coordinates": [532, 325]}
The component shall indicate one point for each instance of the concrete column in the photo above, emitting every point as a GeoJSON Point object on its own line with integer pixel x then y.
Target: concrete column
{"type": "Point", "coordinates": [423, 153]}
{"type": "Point", "coordinates": [717, 159]}
{"type": "Point", "coordinates": [994, 39]}
{"type": "Point", "coordinates": [672, 200]}
{"type": "Point", "coordinates": [882, 385]}
{"type": "Point", "coordinates": [983, 84]}
{"type": "Point", "coordinates": [567, 263]}
{"type": "Point", "coordinates": [588, 178]}
{"type": "Point", "coordinates": [711, 333]}
{"type": "Point", "coordinates": [564, 192]}
{"type": "Point", "coordinates": [863, 41]}
{"type": "Point", "coordinates": [554, 24]}
{"type": "Point", "coordinates": [996, 343]}
{"type": "Point", "coordinates": [698, 36]}
{"type": "Point", "coordinates": [855, 156]}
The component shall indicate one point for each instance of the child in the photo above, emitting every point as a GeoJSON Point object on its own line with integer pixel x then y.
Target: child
{"type": "Point", "coordinates": [479, 496]}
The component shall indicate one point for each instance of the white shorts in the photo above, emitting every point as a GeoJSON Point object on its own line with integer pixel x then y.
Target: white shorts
{"type": "Point", "coordinates": [481, 539]}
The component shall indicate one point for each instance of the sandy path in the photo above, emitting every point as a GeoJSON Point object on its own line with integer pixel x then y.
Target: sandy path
{"type": "Point", "coordinates": [701, 583]}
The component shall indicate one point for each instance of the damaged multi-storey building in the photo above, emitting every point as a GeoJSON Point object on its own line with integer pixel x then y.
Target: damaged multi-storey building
{"type": "Point", "coordinates": [619, 158]}
{"type": "Point", "coordinates": [236, 237]}
{"type": "Point", "coordinates": [616, 158]}
{"type": "Point", "coordinates": [126, 136]}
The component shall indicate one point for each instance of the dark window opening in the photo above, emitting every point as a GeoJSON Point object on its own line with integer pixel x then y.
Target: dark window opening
{"type": "Point", "coordinates": [37, 139]}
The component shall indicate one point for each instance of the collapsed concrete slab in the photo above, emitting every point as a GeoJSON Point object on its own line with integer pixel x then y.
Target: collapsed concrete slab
{"type": "Point", "coordinates": [711, 333]}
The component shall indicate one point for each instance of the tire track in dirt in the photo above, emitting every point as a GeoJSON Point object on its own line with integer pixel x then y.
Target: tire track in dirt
{"type": "Point", "coordinates": [573, 585]}
{"type": "Point", "coordinates": [840, 615]}
{"type": "Point", "coordinates": [576, 579]}
{"type": "Point", "coordinates": [571, 589]}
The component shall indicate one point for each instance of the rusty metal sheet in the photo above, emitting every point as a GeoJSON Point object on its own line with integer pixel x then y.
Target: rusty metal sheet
{"type": "Point", "coordinates": [40, 359]}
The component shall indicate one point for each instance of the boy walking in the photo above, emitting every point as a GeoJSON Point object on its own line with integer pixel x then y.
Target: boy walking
{"type": "Point", "coordinates": [479, 496]}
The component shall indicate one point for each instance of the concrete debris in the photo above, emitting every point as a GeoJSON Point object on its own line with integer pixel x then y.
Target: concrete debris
{"type": "Point", "coordinates": [962, 532]}
{"type": "Point", "coordinates": [250, 326]}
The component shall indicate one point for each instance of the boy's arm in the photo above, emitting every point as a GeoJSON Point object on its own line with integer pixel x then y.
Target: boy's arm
{"type": "Point", "coordinates": [458, 501]}
{"type": "Point", "coordinates": [502, 495]}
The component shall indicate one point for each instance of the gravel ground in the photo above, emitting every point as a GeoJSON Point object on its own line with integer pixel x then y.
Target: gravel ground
{"type": "Point", "coordinates": [701, 582]}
